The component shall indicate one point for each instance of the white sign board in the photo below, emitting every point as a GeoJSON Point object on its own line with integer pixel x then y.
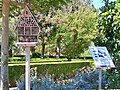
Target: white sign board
{"type": "Point", "coordinates": [101, 57]}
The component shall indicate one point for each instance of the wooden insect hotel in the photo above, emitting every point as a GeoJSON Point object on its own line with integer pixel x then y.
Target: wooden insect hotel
{"type": "Point", "coordinates": [27, 29]}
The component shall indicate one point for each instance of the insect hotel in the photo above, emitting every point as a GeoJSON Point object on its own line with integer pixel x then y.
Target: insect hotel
{"type": "Point", "coordinates": [27, 29]}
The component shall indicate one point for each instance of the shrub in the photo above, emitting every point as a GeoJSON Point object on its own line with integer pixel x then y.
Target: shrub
{"type": "Point", "coordinates": [114, 79]}
{"type": "Point", "coordinates": [19, 56]}
{"type": "Point", "coordinates": [36, 55]}
{"type": "Point", "coordinates": [16, 59]}
{"type": "Point", "coordinates": [80, 81]}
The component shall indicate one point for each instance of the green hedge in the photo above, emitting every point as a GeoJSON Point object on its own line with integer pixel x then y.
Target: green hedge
{"type": "Point", "coordinates": [16, 59]}
{"type": "Point", "coordinates": [57, 69]}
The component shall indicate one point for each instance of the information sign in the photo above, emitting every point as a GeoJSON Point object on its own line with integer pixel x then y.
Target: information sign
{"type": "Point", "coordinates": [101, 57]}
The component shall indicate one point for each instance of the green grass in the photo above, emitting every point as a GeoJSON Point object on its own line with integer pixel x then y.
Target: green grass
{"type": "Point", "coordinates": [39, 61]}
{"type": "Point", "coordinates": [35, 60]}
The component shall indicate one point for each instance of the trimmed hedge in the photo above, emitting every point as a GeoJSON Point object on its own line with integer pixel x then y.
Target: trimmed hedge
{"type": "Point", "coordinates": [57, 69]}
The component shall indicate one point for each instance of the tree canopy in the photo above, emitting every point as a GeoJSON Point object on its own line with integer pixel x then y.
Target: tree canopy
{"type": "Point", "coordinates": [76, 27]}
{"type": "Point", "coordinates": [109, 36]}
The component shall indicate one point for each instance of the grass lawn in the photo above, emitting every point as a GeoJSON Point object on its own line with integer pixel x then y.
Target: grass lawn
{"type": "Point", "coordinates": [39, 61]}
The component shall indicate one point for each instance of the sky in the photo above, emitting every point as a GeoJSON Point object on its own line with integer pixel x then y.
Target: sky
{"type": "Point", "coordinates": [99, 3]}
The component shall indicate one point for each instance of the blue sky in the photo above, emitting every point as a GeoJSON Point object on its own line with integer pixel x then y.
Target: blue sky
{"type": "Point", "coordinates": [99, 3]}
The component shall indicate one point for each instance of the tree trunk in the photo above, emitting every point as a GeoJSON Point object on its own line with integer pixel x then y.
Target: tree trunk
{"type": "Point", "coordinates": [4, 45]}
{"type": "Point", "coordinates": [58, 49]}
{"type": "Point", "coordinates": [75, 33]}
{"type": "Point", "coordinates": [32, 49]}
{"type": "Point", "coordinates": [58, 46]}
{"type": "Point", "coordinates": [43, 48]}
{"type": "Point", "coordinates": [10, 53]}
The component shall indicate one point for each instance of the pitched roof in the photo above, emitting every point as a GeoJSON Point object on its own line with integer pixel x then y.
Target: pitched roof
{"type": "Point", "coordinates": [27, 19]}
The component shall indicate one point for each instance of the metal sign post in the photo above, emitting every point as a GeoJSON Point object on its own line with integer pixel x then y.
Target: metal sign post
{"type": "Point", "coordinates": [27, 30]}
{"type": "Point", "coordinates": [100, 79]}
{"type": "Point", "coordinates": [27, 69]}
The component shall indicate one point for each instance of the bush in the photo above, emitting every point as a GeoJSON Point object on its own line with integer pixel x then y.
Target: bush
{"type": "Point", "coordinates": [36, 55]}
{"type": "Point", "coordinates": [19, 56]}
{"type": "Point", "coordinates": [16, 59]}
{"type": "Point", "coordinates": [114, 79]}
{"type": "Point", "coordinates": [80, 81]}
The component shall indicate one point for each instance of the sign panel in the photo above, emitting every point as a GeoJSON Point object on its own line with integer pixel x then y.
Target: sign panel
{"type": "Point", "coordinates": [27, 29]}
{"type": "Point", "coordinates": [101, 57]}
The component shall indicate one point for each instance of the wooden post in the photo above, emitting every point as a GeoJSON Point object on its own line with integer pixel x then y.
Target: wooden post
{"type": "Point", "coordinates": [27, 69]}
{"type": "Point", "coordinates": [100, 79]}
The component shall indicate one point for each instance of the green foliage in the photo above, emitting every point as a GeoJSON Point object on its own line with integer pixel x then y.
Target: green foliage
{"type": "Point", "coordinates": [117, 6]}
{"type": "Point", "coordinates": [0, 28]}
{"type": "Point", "coordinates": [109, 33]}
{"type": "Point", "coordinates": [75, 27]}
{"type": "Point", "coordinates": [12, 59]}
{"type": "Point", "coordinates": [0, 8]}
{"type": "Point", "coordinates": [45, 5]}
{"type": "Point", "coordinates": [36, 55]}
{"type": "Point", "coordinates": [12, 34]}
{"type": "Point", "coordinates": [114, 79]}
{"type": "Point", "coordinates": [109, 36]}
{"type": "Point", "coordinates": [36, 6]}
